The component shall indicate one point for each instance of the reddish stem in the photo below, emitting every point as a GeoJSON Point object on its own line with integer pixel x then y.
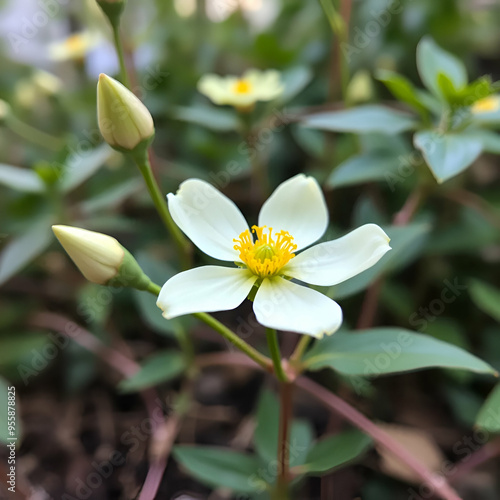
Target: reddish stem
{"type": "Point", "coordinates": [345, 410]}
{"type": "Point", "coordinates": [339, 406]}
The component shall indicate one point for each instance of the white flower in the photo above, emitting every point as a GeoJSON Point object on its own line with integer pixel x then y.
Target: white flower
{"type": "Point", "coordinates": [294, 217]}
{"type": "Point", "coordinates": [242, 92]}
{"type": "Point", "coordinates": [98, 256]}
{"type": "Point", "coordinates": [76, 46]}
{"type": "Point", "coordinates": [123, 119]}
{"type": "Point", "coordinates": [486, 105]}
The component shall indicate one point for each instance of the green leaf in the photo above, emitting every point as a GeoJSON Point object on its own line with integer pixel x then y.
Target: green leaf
{"type": "Point", "coordinates": [20, 179]}
{"type": "Point", "coordinates": [5, 436]}
{"type": "Point", "coordinates": [433, 60]}
{"type": "Point", "coordinates": [266, 432]}
{"type": "Point", "coordinates": [111, 197]}
{"type": "Point", "coordinates": [447, 154]}
{"type": "Point", "coordinates": [218, 467]}
{"type": "Point", "coordinates": [362, 120]}
{"type": "Point", "coordinates": [489, 414]}
{"type": "Point", "coordinates": [295, 80]}
{"type": "Point", "coordinates": [388, 350]}
{"type": "Point", "coordinates": [21, 250]}
{"type": "Point", "coordinates": [363, 168]}
{"type": "Point", "coordinates": [79, 167]}
{"type": "Point", "coordinates": [335, 452]}
{"type": "Point", "coordinates": [486, 297]}
{"type": "Point", "coordinates": [22, 351]}
{"type": "Point", "coordinates": [402, 89]}
{"type": "Point", "coordinates": [406, 243]}
{"type": "Point", "coordinates": [155, 370]}
{"type": "Point", "coordinates": [490, 140]}
{"type": "Point", "coordinates": [210, 117]}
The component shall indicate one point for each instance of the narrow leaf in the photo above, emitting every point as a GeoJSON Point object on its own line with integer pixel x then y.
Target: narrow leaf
{"type": "Point", "coordinates": [362, 120]}
{"type": "Point", "coordinates": [335, 452]}
{"type": "Point", "coordinates": [221, 468]}
{"type": "Point", "coordinates": [155, 370]}
{"type": "Point", "coordinates": [389, 350]}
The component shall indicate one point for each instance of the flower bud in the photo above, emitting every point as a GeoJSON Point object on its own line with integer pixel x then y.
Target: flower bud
{"type": "Point", "coordinates": [100, 258]}
{"type": "Point", "coordinates": [124, 122]}
{"type": "Point", "coordinates": [113, 10]}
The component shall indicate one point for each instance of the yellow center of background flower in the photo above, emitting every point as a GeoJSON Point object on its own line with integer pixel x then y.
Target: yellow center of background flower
{"type": "Point", "coordinates": [491, 103]}
{"type": "Point", "coordinates": [242, 87]}
{"type": "Point", "coordinates": [267, 254]}
{"type": "Point", "coordinates": [75, 43]}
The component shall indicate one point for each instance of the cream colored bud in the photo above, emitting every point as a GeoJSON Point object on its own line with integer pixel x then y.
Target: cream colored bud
{"type": "Point", "coordinates": [98, 256]}
{"type": "Point", "coordinates": [123, 119]}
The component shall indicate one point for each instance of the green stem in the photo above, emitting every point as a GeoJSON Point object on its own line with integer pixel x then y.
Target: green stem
{"type": "Point", "coordinates": [252, 353]}
{"type": "Point", "coordinates": [300, 349]}
{"type": "Point", "coordinates": [33, 135]}
{"type": "Point", "coordinates": [121, 57]}
{"type": "Point", "coordinates": [182, 244]}
{"type": "Point", "coordinates": [274, 349]}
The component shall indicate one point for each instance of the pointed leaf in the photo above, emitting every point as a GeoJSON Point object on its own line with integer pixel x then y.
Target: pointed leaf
{"type": "Point", "coordinates": [218, 467]}
{"type": "Point", "coordinates": [362, 120]}
{"type": "Point", "coordinates": [210, 117]}
{"type": "Point", "coordinates": [21, 250]}
{"type": "Point", "coordinates": [335, 452]}
{"type": "Point", "coordinates": [363, 168]}
{"type": "Point", "coordinates": [80, 166]}
{"type": "Point", "coordinates": [388, 350]}
{"type": "Point", "coordinates": [433, 60]}
{"type": "Point", "coordinates": [489, 414]}
{"type": "Point", "coordinates": [20, 179]}
{"type": "Point", "coordinates": [486, 297]}
{"type": "Point", "coordinates": [155, 370]}
{"type": "Point", "coordinates": [447, 154]}
{"type": "Point", "coordinates": [402, 89]}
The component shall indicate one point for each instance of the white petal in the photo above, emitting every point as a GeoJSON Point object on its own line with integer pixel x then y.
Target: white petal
{"type": "Point", "coordinates": [209, 219]}
{"type": "Point", "coordinates": [284, 305]}
{"type": "Point", "coordinates": [297, 206]}
{"type": "Point", "coordinates": [205, 289]}
{"type": "Point", "coordinates": [214, 87]}
{"type": "Point", "coordinates": [335, 261]}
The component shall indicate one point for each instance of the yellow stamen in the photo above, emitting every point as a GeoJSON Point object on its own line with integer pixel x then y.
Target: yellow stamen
{"type": "Point", "coordinates": [242, 87]}
{"type": "Point", "coordinates": [267, 255]}
{"type": "Point", "coordinates": [488, 104]}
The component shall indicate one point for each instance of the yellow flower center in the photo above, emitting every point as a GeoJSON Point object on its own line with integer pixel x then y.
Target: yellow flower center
{"type": "Point", "coordinates": [75, 43]}
{"type": "Point", "coordinates": [242, 87]}
{"type": "Point", "coordinates": [267, 255]}
{"type": "Point", "coordinates": [491, 103]}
